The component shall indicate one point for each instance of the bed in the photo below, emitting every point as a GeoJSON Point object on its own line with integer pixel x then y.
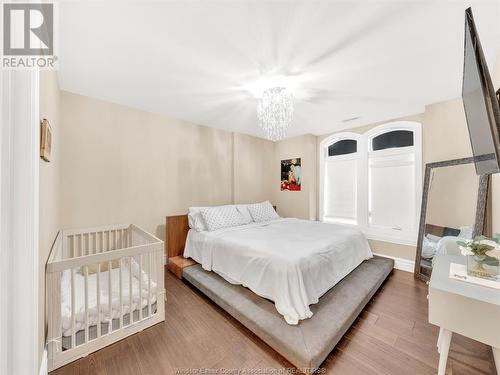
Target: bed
{"type": "Point", "coordinates": [296, 284]}
{"type": "Point", "coordinates": [289, 261]}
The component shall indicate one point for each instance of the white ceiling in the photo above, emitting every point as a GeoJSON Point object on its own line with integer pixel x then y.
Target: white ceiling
{"type": "Point", "coordinates": [199, 60]}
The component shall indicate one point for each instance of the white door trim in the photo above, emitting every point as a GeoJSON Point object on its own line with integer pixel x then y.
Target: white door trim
{"type": "Point", "coordinates": [19, 220]}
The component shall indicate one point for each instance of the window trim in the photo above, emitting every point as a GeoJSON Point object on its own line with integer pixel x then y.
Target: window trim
{"type": "Point", "coordinates": [364, 152]}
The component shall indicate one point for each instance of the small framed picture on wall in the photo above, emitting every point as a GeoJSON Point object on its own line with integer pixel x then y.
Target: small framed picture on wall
{"type": "Point", "coordinates": [45, 140]}
{"type": "Point", "coordinates": [291, 174]}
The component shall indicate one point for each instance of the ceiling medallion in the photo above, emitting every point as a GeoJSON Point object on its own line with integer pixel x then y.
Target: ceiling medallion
{"type": "Point", "coordinates": [275, 111]}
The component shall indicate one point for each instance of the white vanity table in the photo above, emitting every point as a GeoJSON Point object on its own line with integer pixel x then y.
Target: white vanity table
{"type": "Point", "coordinates": [459, 307]}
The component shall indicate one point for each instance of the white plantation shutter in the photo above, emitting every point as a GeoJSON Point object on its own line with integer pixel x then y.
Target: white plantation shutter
{"type": "Point", "coordinates": [341, 190]}
{"type": "Point", "coordinates": [391, 181]}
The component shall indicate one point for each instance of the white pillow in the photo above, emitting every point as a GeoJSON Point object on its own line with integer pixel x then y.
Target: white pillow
{"type": "Point", "coordinates": [243, 210]}
{"type": "Point", "coordinates": [433, 238]}
{"type": "Point", "coordinates": [222, 217]}
{"type": "Point", "coordinates": [465, 232]}
{"type": "Point", "coordinates": [429, 248]}
{"type": "Point", "coordinates": [195, 220]}
{"type": "Point", "coordinates": [262, 212]}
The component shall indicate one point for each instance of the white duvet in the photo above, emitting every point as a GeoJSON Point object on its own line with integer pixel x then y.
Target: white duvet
{"type": "Point", "coordinates": [104, 298]}
{"type": "Point", "coordinates": [289, 261]}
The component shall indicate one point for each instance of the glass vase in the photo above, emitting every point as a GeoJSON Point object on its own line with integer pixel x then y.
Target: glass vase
{"type": "Point", "coordinates": [484, 267]}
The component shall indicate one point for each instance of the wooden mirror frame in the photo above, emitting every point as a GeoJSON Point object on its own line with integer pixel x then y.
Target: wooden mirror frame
{"type": "Point", "coordinates": [482, 196]}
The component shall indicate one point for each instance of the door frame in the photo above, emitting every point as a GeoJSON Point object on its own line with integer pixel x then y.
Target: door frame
{"type": "Point", "coordinates": [19, 222]}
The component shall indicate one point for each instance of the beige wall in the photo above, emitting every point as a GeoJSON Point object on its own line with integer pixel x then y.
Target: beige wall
{"type": "Point", "coordinates": [121, 165]}
{"type": "Point", "coordinates": [452, 196]}
{"type": "Point", "coordinates": [50, 220]}
{"type": "Point", "coordinates": [253, 169]}
{"type": "Point", "coordinates": [445, 133]}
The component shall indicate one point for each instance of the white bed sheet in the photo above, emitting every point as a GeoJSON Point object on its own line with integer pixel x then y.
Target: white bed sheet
{"type": "Point", "coordinates": [289, 261]}
{"type": "Point", "coordinates": [66, 317]}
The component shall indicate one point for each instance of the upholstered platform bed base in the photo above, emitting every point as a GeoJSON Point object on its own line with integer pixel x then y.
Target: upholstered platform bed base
{"type": "Point", "coordinates": [307, 344]}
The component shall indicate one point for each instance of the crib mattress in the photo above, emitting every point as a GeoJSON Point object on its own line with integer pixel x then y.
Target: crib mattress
{"type": "Point", "coordinates": [141, 296]}
{"type": "Point", "coordinates": [80, 335]}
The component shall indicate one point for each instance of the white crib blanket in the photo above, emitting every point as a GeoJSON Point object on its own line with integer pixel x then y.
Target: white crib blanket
{"type": "Point", "coordinates": [66, 318]}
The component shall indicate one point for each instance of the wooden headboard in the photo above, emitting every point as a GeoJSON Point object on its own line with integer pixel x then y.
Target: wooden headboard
{"type": "Point", "coordinates": [176, 230]}
{"type": "Point", "coordinates": [440, 231]}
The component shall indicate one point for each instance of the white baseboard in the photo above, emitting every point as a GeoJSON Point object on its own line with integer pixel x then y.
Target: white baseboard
{"type": "Point", "coordinates": [400, 263]}
{"type": "Point", "coordinates": [43, 366]}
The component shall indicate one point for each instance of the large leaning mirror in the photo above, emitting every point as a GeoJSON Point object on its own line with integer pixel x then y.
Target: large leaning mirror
{"type": "Point", "coordinates": [453, 208]}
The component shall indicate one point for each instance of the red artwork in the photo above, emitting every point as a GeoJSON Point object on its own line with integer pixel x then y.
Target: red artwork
{"type": "Point", "coordinates": [291, 174]}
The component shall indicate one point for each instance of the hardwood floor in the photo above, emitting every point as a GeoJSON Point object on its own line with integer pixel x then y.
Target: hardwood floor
{"type": "Point", "coordinates": [391, 336]}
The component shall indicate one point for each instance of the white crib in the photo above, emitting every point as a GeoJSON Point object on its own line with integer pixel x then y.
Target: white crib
{"type": "Point", "coordinates": [103, 284]}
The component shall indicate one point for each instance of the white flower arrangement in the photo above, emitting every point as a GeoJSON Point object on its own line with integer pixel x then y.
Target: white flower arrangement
{"type": "Point", "coordinates": [481, 246]}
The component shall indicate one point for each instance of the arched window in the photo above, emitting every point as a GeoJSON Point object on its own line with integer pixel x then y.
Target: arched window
{"type": "Point", "coordinates": [373, 180]}
{"type": "Point", "coordinates": [394, 179]}
{"type": "Point", "coordinates": [340, 178]}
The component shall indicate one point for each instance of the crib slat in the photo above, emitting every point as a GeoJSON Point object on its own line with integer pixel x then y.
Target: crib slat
{"type": "Point", "coordinates": [121, 292]}
{"type": "Point", "coordinates": [98, 298]}
{"type": "Point", "coordinates": [86, 290]}
{"type": "Point", "coordinates": [87, 244]}
{"type": "Point", "coordinates": [102, 242]}
{"type": "Point", "coordinates": [140, 287]}
{"type": "Point", "coordinates": [130, 290]}
{"type": "Point", "coordinates": [149, 284]}
{"type": "Point", "coordinates": [73, 324]}
{"type": "Point", "coordinates": [110, 301]}
{"type": "Point", "coordinates": [70, 252]}
{"type": "Point", "coordinates": [80, 245]}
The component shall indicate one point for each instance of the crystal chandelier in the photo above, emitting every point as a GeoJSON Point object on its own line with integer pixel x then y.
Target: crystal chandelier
{"type": "Point", "coordinates": [275, 111]}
